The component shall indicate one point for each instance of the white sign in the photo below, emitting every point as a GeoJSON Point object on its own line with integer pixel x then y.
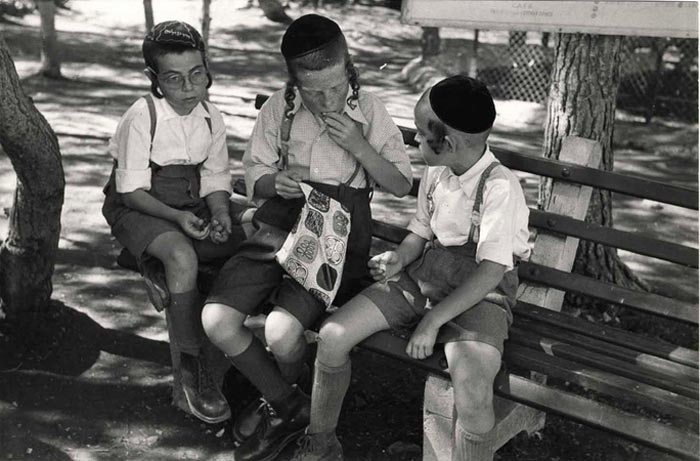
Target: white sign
{"type": "Point", "coordinates": [642, 18]}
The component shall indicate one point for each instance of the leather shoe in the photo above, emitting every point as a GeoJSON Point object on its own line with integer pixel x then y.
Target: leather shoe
{"type": "Point", "coordinates": [204, 398]}
{"type": "Point", "coordinates": [248, 420]}
{"type": "Point", "coordinates": [278, 428]}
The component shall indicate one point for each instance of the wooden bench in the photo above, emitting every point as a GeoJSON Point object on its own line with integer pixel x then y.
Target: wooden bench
{"type": "Point", "coordinates": [548, 347]}
{"type": "Point", "coordinates": [545, 343]}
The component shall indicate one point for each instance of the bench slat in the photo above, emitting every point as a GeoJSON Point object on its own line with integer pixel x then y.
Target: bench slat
{"type": "Point", "coordinates": [640, 429]}
{"type": "Point", "coordinates": [613, 335]}
{"type": "Point", "coordinates": [616, 182]}
{"type": "Point", "coordinates": [643, 430]}
{"type": "Point", "coordinates": [661, 400]}
{"type": "Point", "coordinates": [645, 362]}
{"type": "Point", "coordinates": [629, 241]}
{"type": "Point", "coordinates": [649, 302]}
{"type": "Point", "coordinates": [601, 179]}
{"type": "Point", "coordinates": [593, 359]}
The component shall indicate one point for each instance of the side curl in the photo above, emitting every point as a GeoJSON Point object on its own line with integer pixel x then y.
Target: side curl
{"type": "Point", "coordinates": [354, 79]}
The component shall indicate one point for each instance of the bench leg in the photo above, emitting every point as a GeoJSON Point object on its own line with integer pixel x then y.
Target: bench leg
{"type": "Point", "coordinates": [439, 415]}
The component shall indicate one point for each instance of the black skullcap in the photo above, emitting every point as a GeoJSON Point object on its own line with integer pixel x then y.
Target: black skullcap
{"type": "Point", "coordinates": [176, 33]}
{"type": "Point", "coordinates": [307, 34]}
{"type": "Point", "coordinates": [463, 103]}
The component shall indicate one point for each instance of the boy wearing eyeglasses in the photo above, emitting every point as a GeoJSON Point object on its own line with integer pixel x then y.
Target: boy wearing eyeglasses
{"type": "Point", "coordinates": [168, 198]}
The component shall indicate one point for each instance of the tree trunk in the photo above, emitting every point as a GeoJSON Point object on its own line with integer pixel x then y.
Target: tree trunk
{"type": "Point", "coordinates": [50, 59]}
{"type": "Point", "coordinates": [28, 254]}
{"type": "Point", "coordinates": [582, 102]}
{"type": "Point", "coordinates": [148, 11]}
{"type": "Point", "coordinates": [430, 42]}
{"type": "Point", "coordinates": [206, 21]}
{"type": "Point", "coordinates": [274, 11]}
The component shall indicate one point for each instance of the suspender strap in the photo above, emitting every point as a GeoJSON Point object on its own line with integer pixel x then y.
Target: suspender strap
{"type": "Point", "coordinates": [207, 119]}
{"type": "Point", "coordinates": [476, 211]}
{"type": "Point", "coordinates": [285, 130]}
{"type": "Point", "coordinates": [152, 113]}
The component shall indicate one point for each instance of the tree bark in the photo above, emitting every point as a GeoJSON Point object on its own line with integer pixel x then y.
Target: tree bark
{"type": "Point", "coordinates": [28, 254]}
{"type": "Point", "coordinates": [206, 22]}
{"type": "Point", "coordinates": [50, 58]}
{"type": "Point", "coordinates": [582, 102]}
{"type": "Point", "coordinates": [274, 11]}
{"type": "Point", "coordinates": [148, 11]}
{"type": "Point", "coordinates": [430, 42]}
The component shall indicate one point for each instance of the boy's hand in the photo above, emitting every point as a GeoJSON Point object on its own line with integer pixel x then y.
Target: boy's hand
{"type": "Point", "coordinates": [345, 132]}
{"type": "Point", "coordinates": [193, 226]}
{"type": "Point", "coordinates": [287, 184]}
{"type": "Point", "coordinates": [220, 226]}
{"type": "Point", "coordinates": [385, 265]}
{"type": "Point", "coordinates": [422, 341]}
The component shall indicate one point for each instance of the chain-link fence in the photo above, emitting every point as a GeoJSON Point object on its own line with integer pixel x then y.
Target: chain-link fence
{"type": "Point", "coordinates": [658, 76]}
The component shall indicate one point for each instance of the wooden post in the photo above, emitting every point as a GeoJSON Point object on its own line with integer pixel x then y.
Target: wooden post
{"type": "Point", "coordinates": [551, 250]}
{"type": "Point", "coordinates": [148, 12]}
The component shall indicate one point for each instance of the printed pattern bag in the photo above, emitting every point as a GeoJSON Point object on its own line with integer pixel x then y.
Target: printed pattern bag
{"type": "Point", "coordinates": [314, 252]}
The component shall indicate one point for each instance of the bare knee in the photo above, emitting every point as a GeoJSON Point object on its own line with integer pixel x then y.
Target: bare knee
{"type": "Point", "coordinates": [181, 260]}
{"type": "Point", "coordinates": [224, 327]}
{"type": "Point", "coordinates": [473, 398]}
{"type": "Point", "coordinates": [284, 334]}
{"type": "Point", "coordinates": [333, 346]}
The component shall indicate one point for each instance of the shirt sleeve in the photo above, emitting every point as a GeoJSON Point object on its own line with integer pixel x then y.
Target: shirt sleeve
{"type": "Point", "coordinates": [215, 173]}
{"type": "Point", "coordinates": [420, 223]}
{"type": "Point", "coordinates": [133, 145]}
{"type": "Point", "coordinates": [262, 151]}
{"type": "Point", "coordinates": [497, 230]}
{"type": "Point", "coordinates": [386, 137]}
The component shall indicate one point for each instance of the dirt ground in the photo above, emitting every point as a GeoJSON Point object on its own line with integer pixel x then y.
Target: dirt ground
{"type": "Point", "coordinates": [96, 383]}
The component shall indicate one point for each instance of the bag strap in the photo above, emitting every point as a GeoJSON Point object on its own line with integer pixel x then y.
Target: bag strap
{"type": "Point", "coordinates": [285, 130]}
{"type": "Point", "coordinates": [476, 211]}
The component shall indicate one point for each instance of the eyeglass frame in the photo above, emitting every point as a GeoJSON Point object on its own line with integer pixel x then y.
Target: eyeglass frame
{"type": "Point", "coordinates": [185, 78]}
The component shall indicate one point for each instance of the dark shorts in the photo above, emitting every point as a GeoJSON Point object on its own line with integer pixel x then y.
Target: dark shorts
{"type": "Point", "coordinates": [178, 187]}
{"type": "Point", "coordinates": [406, 298]}
{"type": "Point", "coordinates": [252, 281]}
{"type": "Point", "coordinates": [136, 231]}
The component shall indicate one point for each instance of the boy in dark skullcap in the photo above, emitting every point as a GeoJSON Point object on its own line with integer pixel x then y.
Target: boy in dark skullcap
{"type": "Point", "coordinates": [322, 130]}
{"type": "Point", "coordinates": [454, 274]}
{"type": "Point", "coordinates": [167, 200]}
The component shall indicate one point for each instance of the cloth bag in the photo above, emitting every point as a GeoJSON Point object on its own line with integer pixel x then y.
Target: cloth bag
{"type": "Point", "coordinates": [314, 251]}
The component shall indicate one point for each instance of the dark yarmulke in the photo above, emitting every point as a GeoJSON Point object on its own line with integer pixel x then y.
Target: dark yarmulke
{"type": "Point", "coordinates": [463, 103]}
{"type": "Point", "coordinates": [307, 34]}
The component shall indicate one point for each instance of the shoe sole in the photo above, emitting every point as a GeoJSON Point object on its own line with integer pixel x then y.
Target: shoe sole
{"type": "Point", "coordinates": [286, 441]}
{"type": "Point", "coordinates": [204, 418]}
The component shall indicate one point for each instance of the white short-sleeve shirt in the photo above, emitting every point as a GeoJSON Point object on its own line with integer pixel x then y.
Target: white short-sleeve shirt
{"type": "Point", "coordinates": [447, 214]}
{"type": "Point", "coordinates": [178, 140]}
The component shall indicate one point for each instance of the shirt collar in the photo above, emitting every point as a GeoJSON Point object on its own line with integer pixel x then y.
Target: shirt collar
{"type": "Point", "coordinates": [475, 171]}
{"type": "Point", "coordinates": [166, 112]}
{"type": "Point", "coordinates": [353, 112]}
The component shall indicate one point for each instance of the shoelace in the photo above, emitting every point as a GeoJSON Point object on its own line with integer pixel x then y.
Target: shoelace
{"type": "Point", "coordinates": [268, 414]}
{"type": "Point", "coordinates": [306, 446]}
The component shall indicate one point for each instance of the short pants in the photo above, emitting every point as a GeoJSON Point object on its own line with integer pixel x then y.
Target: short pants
{"type": "Point", "coordinates": [404, 299]}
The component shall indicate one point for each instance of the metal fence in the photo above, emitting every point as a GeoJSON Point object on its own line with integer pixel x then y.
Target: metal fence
{"type": "Point", "coordinates": [658, 76]}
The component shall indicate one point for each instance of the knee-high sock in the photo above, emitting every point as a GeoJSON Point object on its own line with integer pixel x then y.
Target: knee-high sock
{"type": "Point", "coordinates": [330, 386]}
{"type": "Point", "coordinates": [470, 446]}
{"type": "Point", "coordinates": [292, 371]}
{"type": "Point", "coordinates": [256, 364]}
{"type": "Point", "coordinates": [185, 318]}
